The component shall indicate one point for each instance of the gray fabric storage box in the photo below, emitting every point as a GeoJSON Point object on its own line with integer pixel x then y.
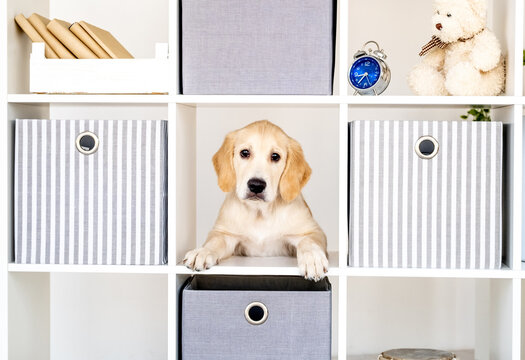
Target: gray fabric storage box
{"type": "Point", "coordinates": [214, 324]}
{"type": "Point", "coordinates": [258, 46]}
{"type": "Point", "coordinates": [412, 212]}
{"type": "Point", "coordinates": [107, 207]}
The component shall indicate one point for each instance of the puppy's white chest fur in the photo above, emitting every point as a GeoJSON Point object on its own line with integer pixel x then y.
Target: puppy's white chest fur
{"type": "Point", "coordinates": [263, 237]}
{"type": "Point", "coordinates": [260, 231]}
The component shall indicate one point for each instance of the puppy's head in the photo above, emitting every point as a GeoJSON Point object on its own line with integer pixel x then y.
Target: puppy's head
{"type": "Point", "coordinates": [260, 162]}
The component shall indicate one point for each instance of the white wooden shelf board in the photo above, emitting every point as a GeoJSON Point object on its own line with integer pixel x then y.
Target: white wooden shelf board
{"type": "Point", "coordinates": [503, 273]}
{"type": "Point", "coordinates": [85, 98]}
{"type": "Point", "coordinates": [239, 265]}
{"type": "Point", "coordinates": [111, 269]}
{"type": "Point", "coordinates": [266, 99]}
{"type": "Point", "coordinates": [433, 100]}
{"type": "Point", "coordinates": [258, 99]}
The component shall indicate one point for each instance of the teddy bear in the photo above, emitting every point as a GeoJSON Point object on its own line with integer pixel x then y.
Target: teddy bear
{"type": "Point", "coordinates": [464, 57]}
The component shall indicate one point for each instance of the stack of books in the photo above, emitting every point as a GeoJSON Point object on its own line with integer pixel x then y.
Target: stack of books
{"type": "Point", "coordinates": [72, 41]}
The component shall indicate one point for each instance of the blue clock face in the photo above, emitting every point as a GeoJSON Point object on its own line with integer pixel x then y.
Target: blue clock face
{"type": "Point", "coordinates": [364, 73]}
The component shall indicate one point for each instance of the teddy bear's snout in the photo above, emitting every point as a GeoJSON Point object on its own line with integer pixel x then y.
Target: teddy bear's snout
{"type": "Point", "coordinates": [439, 26]}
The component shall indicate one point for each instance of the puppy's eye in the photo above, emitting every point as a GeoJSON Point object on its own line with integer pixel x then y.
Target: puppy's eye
{"type": "Point", "coordinates": [437, 12]}
{"type": "Point", "coordinates": [276, 157]}
{"type": "Point", "coordinates": [245, 153]}
{"type": "Point", "coordinates": [449, 15]}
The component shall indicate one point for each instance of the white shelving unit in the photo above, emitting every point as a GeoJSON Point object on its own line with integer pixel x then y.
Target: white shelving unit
{"type": "Point", "coordinates": [122, 312]}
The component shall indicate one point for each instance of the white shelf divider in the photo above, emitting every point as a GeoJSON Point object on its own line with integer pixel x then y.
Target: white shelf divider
{"type": "Point", "coordinates": [173, 303]}
{"type": "Point", "coordinates": [343, 162]}
{"type": "Point", "coordinates": [172, 317]}
{"type": "Point", "coordinates": [516, 318]}
{"type": "Point", "coordinates": [4, 211]}
{"type": "Point", "coordinates": [343, 227]}
{"type": "Point", "coordinates": [343, 47]}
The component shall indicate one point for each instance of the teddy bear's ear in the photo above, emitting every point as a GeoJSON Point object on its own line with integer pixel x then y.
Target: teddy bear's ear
{"type": "Point", "coordinates": [479, 7]}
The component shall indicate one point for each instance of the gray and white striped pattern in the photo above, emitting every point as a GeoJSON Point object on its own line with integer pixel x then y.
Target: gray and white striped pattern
{"type": "Point", "coordinates": [407, 212]}
{"type": "Point", "coordinates": [104, 208]}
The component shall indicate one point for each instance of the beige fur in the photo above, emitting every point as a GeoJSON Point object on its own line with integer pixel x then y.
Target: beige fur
{"type": "Point", "coordinates": [471, 64]}
{"type": "Point", "coordinates": [279, 224]}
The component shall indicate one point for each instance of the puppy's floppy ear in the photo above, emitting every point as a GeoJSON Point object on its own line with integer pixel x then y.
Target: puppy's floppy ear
{"type": "Point", "coordinates": [223, 164]}
{"type": "Point", "coordinates": [296, 172]}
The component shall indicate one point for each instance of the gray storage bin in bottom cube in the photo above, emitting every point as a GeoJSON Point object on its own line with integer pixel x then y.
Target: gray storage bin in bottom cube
{"type": "Point", "coordinates": [262, 317]}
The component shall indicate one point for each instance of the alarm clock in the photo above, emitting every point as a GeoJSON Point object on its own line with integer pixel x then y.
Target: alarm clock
{"type": "Point", "coordinates": [369, 74]}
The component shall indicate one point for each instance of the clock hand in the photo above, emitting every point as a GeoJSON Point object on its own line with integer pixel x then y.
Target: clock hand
{"type": "Point", "coordinates": [362, 77]}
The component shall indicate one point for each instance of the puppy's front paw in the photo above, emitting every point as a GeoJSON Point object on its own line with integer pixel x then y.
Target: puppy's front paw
{"type": "Point", "coordinates": [200, 259]}
{"type": "Point", "coordinates": [312, 264]}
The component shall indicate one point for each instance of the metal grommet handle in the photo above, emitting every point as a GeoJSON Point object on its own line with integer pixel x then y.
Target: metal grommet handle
{"type": "Point", "coordinates": [256, 313]}
{"type": "Point", "coordinates": [87, 143]}
{"type": "Point", "coordinates": [426, 147]}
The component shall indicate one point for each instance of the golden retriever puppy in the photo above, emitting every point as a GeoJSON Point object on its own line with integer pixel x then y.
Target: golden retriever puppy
{"type": "Point", "coordinates": [263, 170]}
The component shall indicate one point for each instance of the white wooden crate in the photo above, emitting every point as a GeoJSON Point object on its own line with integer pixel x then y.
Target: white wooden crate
{"type": "Point", "coordinates": [99, 76]}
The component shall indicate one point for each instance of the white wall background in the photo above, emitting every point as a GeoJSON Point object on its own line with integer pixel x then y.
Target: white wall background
{"type": "Point", "coordinates": [108, 316]}
{"type": "Point", "coordinates": [137, 25]}
{"type": "Point", "coordinates": [316, 128]}
{"type": "Point", "coordinates": [408, 313]}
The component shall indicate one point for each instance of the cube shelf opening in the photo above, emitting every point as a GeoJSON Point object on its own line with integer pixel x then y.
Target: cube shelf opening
{"type": "Point", "coordinates": [114, 316]}
{"type": "Point", "coordinates": [503, 114]}
{"type": "Point", "coordinates": [403, 36]}
{"type": "Point", "coordinates": [152, 16]}
{"type": "Point", "coordinates": [202, 131]}
{"type": "Point", "coordinates": [450, 315]}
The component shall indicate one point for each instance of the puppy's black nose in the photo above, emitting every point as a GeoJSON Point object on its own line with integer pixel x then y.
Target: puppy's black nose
{"type": "Point", "coordinates": [256, 186]}
{"type": "Point", "coordinates": [439, 26]}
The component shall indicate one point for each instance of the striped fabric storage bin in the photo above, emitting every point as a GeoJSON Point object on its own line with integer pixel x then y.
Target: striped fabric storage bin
{"type": "Point", "coordinates": [425, 194]}
{"type": "Point", "coordinates": [90, 192]}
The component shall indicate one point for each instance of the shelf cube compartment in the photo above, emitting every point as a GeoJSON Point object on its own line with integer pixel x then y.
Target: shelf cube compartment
{"type": "Point", "coordinates": [204, 128]}
{"type": "Point", "coordinates": [262, 47]}
{"type": "Point", "coordinates": [261, 317]}
{"type": "Point", "coordinates": [404, 55]}
{"type": "Point", "coordinates": [425, 194]}
{"type": "Point", "coordinates": [469, 317]}
{"type": "Point", "coordinates": [90, 192]}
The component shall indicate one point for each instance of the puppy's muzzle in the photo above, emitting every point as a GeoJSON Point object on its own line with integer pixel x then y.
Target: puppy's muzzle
{"type": "Point", "coordinates": [256, 186]}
